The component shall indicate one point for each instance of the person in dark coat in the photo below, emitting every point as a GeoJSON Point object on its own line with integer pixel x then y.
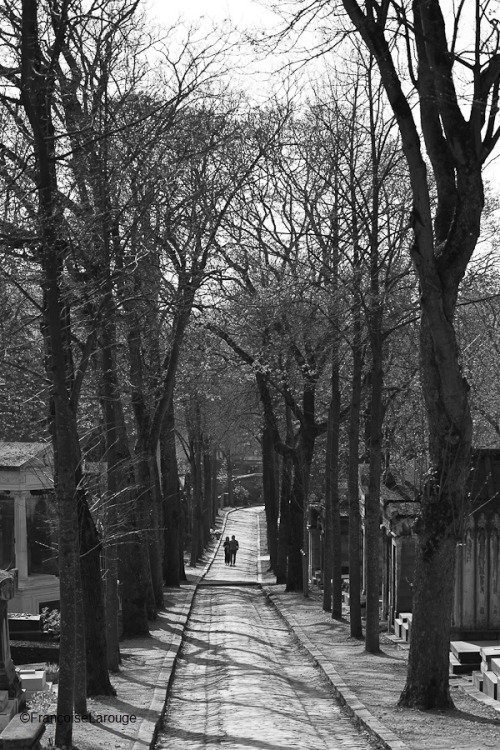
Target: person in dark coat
{"type": "Point", "coordinates": [233, 549]}
{"type": "Point", "coordinates": [227, 553]}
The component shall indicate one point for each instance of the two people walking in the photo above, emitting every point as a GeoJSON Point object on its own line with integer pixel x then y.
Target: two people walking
{"type": "Point", "coordinates": [231, 547]}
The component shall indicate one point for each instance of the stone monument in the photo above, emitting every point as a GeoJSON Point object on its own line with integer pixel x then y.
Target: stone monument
{"type": "Point", "coordinates": [10, 685]}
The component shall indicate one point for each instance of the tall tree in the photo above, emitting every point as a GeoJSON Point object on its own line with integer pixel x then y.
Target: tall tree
{"type": "Point", "coordinates": [457, 130]}
{"type": "Point", "coordinates": [36, 84]}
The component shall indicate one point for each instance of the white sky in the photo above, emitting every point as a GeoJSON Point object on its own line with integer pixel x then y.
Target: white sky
{"type": "Point", "coordinates": [255, 76]}
{"type": "Point", "coordinates": [244, 13]}
{"type": "Point", "coordinates": [250, 15]}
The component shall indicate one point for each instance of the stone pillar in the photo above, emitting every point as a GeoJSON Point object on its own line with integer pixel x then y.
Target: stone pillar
{"type": "Point", "coordinates": [21, 534]}
{"type": "Point", "coordinates": [386, 544]}
{"type": "Point", "coordinates": [9, 680]}
{"type": "Point", "coordinates": [494, 592]}
{"type": "Point", "coordinates": [482, 573]}
{"type": "Point", "coordinates": [468, 580]}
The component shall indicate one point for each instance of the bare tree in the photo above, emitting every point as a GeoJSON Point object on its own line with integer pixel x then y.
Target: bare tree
{"type": "Point", "coordinates": [457, 131]}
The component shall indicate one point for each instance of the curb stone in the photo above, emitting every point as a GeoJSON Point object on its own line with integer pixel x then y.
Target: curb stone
{"type": "Point", "coordinates": [161, 693]}
{"type": "Point", "coordinates": [479, 696]}
{"type": "Point", "coordinates": [354, 707]}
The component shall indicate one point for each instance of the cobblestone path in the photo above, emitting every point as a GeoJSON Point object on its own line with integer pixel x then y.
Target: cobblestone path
{"type": "Point", "coordinates": [241, 681]}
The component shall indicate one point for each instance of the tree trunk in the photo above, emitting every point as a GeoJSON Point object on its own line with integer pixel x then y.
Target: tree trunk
{"type": "Point", "coordinates": [93, 601]}
{"type": "Point", "coordinates": [155, 533]}
{"type": "Point", "coordinates": [333, 536]}
{"type": "Point", "coordinates": [294, 573]}
{"type": "Point", "coordinates": [229, 470]}
{"type": "Point", "coordinates": [440, 524]}
{"type": "Point", "coordinates": [172, 501]}
{"type": "Point", "coordinates": [372, 503]}
{"type": "Point", "coordinates": [353, 488]}
{"type": "Point", "coordinates": [196, 533]}
{"type": "Point", "coordinates": [207, 489]}
{"type": "Point", "coordinates": [328, 540]}
{"type": "Point", "coordinates": [215, 506]}
{"type": "Point", "coordinates": [80, 657]}
{"type": "Point", "coordinates": [68, 546]}
{"type": "Point", "coordinates": [270, 492]}
{"type": "Point", "coordinates": [297, 551]}
{"type": "Point", "coordinates": [125, 551]}
{"type": "Point", "coordinates": [110, 405]}
{"type": "Point", "coordinates": [284, 522]}
{"type": "Point", "coordinates": [111, 600]}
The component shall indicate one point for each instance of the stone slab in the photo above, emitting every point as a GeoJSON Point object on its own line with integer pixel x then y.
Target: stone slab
{"type": "Point", "coordinates": [490, 684]}
{"type": "Point", "coordinates": [466, 653]}
{"type": "Point", "coordinates": [7, 714]}
{"type": "Point", "coordinates": [18, 735]}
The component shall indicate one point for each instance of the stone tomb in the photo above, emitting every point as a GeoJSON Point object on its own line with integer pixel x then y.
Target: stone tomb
{"type": "Point", "coordinates": [11, 696]}
{"type": "Point", "coordinates": [487, 677]}
{"type": "Point", "coordinates": [465, 657]}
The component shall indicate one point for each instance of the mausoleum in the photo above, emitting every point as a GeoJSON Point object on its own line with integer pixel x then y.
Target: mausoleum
{"type": "Point", "coordinates": [28, 524]}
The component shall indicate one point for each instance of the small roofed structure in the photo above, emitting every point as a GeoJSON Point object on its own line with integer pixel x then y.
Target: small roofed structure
{"type": "Point", "coordinates": [28, 524]}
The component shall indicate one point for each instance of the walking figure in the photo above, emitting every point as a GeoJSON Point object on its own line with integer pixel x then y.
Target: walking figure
{"type": "Point", "coordinates": [233, 549]}
{"type": "Point", "coordinates": [227, 553]}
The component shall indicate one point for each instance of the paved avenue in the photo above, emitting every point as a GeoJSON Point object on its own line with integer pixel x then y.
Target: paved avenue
{"type": "Point", "coordinates": [241, 681]}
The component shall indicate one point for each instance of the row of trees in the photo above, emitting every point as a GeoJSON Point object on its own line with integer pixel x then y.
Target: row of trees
{"type": "Point", "coordinates": [177, 261]}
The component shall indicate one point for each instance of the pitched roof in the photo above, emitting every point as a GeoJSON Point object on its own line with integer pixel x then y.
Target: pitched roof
{"type": "Point", "coordinates": [15, 455]}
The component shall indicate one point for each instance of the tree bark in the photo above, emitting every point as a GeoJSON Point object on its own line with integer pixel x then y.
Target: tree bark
{"type": "Point", "coordinates": [328, 540]}
{"type": "Point", "coordinates": [172, 501]}
{"type": "Point", "coordinates": [284, 524]}
{"type": "Point", "coordinates": [372, 503]}
{"type": "Point", "coordinates": [375, 320]}
{"type": "Point", "coordinates": [302, 459]}
{"type": "Point", "coordinates": [98, 682]}
{"type": "Point", "coordinates": [270, 492]}
{"type": "Point", "coordinates": [332, 592]}
{"type": "Point", "coordinates": [110, 406]}
{"type": "Point", "coordinates": [207, 489]}
{"type": "Point", "coordinates": [440, 525]}
{"type": "Point", "coordinates": [80, 657]}
{"type": "Point", "coordinates": [229, 470]}
{"type": "Point", "coordinates": [353, 486]}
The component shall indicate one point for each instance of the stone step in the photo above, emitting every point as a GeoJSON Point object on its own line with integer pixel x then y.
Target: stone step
{"type": "Point", "coordinates": [495, 665]}
{"type": "Point", "coordinates": [405, 631]}
{"type": "Point", "coordinates": [488, 653]}
{"type": "Point", "coordinates": [458, 668]}
{"type": "Point", "coordinates": [477, 680]}
{"type": "Point", "coordinates": [490, 684]}
{"type": "Point", "coordinates": [466, 653]}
